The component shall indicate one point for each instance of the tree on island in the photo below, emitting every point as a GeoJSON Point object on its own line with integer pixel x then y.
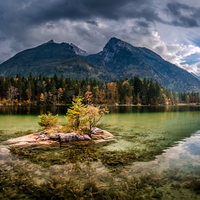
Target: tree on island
{"type": "Point", "coordinates": [48, 121]}
{"type": "Point", "coordinates": [94, 114]}
{"type": "Point", "coordinates": [76, 114]}
{"type": "Point", "coordinates": [80, 115]}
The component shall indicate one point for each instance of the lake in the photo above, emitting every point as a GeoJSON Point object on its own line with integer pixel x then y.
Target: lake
{"type": "Point", "coordinates": [155, 155]}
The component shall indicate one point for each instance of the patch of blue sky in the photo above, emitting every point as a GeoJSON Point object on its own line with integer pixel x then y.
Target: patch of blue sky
{"type": "Point", "coordinates": [196, 41]}
{"type": "Point", "coordinates": [192, 59]}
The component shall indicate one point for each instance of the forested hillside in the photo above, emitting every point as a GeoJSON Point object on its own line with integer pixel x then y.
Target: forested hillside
{"type": "Point", "coordinates": [53, 90]}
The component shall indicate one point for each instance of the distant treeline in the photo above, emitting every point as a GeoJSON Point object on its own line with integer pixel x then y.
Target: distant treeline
{"type": "Point", "coordinates": [54, 90]}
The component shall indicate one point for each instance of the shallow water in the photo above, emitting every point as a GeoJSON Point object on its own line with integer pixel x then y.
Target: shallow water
{"type": "Point", "coordinates": [155, 155]}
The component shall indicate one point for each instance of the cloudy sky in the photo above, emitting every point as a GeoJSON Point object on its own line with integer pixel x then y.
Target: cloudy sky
{"type": "Point", "coordinates": [169, 28]}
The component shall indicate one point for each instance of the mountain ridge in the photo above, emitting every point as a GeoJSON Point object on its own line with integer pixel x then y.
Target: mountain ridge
{"type": "Point", "coordinates": [117, 60]}
{"type": "Point", "coordinates": [127, 61]}
{"type": "Point", "coordinates": [47, 59]}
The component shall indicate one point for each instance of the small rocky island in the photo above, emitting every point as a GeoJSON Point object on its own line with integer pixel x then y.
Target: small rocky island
{"type": "Point", "coordinates": [80, 126]}
{"type": "Point", "coordinates": [97, 135]}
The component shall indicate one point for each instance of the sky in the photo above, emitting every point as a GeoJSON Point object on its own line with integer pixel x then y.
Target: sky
{"type": "Point", "coordinates": [169, 28]}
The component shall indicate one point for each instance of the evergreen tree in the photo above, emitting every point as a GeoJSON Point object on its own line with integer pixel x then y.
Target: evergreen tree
{"type": "Point", "coordinates": [29, 90]}
{"type": "Point", "coordinates": [76, 114]}
{"type": "Point", "coordinates": [53, 87]}
{"type": "Point", "coordinates": [2, 88]}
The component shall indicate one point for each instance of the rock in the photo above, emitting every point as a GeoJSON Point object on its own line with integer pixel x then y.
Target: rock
{"type": "Point", "coordinates": [96, 130]}
{"type": "Point", "coordinates": [103, 138]}
{"type": "Point", "coordinates": [39, 133]}
{"type": "Point", "coordinates": [54, 137]}
{"type": "Point", "coordinates": [44, 137]}
{"type": "Point", "coordinates": [86, 137]}
{"type": "Point", "coordinates": [70, 137]}
{"type": "Point", "coordinates": [24, 140]}
{"type": "Point", "coordinates": [97, 136]}
{"type": "Point", "coordinates": [4, 153]}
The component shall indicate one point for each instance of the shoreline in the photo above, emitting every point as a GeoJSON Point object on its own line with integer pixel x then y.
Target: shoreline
{"type": "Point", "coordinates": [108, 105]}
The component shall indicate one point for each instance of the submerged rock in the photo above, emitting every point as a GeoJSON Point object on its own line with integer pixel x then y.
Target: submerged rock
{"type": "Point", "coordinates": [4, 153]}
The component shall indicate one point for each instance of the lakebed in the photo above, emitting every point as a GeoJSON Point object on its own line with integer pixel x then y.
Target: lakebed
{"type": "Point", "coordinates": [155, 155]}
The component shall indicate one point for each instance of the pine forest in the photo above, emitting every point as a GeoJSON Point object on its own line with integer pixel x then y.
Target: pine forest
{"type": "Point", "coordinates": [44, 90]}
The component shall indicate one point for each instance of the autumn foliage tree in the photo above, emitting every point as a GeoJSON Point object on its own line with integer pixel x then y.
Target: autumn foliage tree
{"type": "Point", "coordinates": [88, 97]}
{"type": "Point", "coordinates": [12, 93]}
{"type": "Point", "coordinates": [42, 98]}
{"type": "Point", "coordinates": [94, 114]}
{"type": "Point", "coordinates": [76, 114]}
{"type": "Point", "coordinates": [60, 93]}
{"type": "Point", "coordinates": [79, 115]}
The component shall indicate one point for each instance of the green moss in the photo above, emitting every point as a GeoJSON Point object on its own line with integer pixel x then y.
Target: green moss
{"type": "Point", "coordinates": [115, 160]}
{"type": "Point", "coordinates": [54, 155]}
{"type": "Point", "coordinates": [20, 180]}
{"type": "Point", "coordinates": [193, 184]}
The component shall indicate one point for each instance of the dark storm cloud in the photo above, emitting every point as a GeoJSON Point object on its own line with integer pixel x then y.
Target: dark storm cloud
{"type": "Point", "coordinates": [88, 23]}
{"type": "Point", "coordinates": [89, 9]}
{"type": "Point", "coordinates": [198, 67]}
{"type": "Point", "coordinates": [143, 24]}
{"type": "Point", "coordinates": [19, 19]}
{"type": "Point", "coordinates": [183, 15]}
{"type": "Point", "coordinates": [92, 22]}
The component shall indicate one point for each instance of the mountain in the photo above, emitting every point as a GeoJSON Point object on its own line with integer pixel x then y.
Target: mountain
{"type": "Point", "coordinates": [125, 60]}
{"type": "Point", "coordinates": [78, 51]}
{"type": "Point", "coordinates": [50, 58]}
{"type": "Point", "coordinates": [117, 60]}
{"type": "Point", "coordinates": [198, 77]}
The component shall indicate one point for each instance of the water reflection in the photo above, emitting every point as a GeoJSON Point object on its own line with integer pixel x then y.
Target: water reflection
{"type": "Point", "coordinates": [147, 109]}
{"type": "Point", "coordinates": [184, 156]}
{"type": "Point", "coordinates": [38, 110]}
{"type": "Point", "coordinates": [33, 110]}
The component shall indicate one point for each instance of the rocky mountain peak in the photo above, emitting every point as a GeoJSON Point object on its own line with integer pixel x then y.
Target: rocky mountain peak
{"type": "Point", "coordinates": [113, 43]}
{"type": "Point", "coordinates": [50, 41]}
{"type": "Point", "coordinates": [78, 51]}
{"type": "Point", "coordinates": [113, 47]}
